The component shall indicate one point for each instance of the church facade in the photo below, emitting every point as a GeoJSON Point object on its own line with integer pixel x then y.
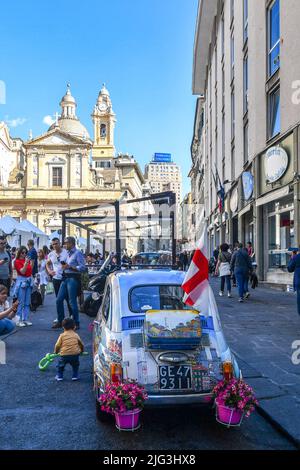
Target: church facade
{"type": "Point", "coordinates": [64, 168]}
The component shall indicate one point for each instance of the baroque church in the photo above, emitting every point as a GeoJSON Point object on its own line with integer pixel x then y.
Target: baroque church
{"type": "Point", "coordinates": [65, 168]}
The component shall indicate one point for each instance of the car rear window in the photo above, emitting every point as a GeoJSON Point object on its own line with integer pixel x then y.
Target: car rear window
{"type": "Point", "coordinates": [156, 297]}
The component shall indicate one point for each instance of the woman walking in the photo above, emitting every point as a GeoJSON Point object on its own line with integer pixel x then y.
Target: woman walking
{"type": "Point", "coordinates": [23, 285]}
{"type": "Point", "coordinates": [223, 268]}
{"type": "Point", "coordinates": [42, 273]}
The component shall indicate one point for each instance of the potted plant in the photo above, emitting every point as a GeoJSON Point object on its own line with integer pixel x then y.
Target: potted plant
{"type": "Point", "coordinates": [125, 400]}
{"type": "Point", "coordinates": [234, 399]}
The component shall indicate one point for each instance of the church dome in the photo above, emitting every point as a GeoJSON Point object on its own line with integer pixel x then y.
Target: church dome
{"type": "Point", "coordinates": [104, 91]}
{"type": "Point", "coordinates": [68, 121]}
{"type": "Point", "coordinates": [72, 127]}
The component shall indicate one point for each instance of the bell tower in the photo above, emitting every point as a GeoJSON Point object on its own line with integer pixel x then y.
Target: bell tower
{"type": "Point", "coordinates": [104, 120]}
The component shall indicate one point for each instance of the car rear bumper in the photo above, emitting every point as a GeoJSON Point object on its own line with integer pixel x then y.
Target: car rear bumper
{"type": "Point", "coordinates": [190, 399]}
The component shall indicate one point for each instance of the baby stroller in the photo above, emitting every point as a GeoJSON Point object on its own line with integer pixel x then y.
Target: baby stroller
{"type": "Point", "coordinates": [36, 298]}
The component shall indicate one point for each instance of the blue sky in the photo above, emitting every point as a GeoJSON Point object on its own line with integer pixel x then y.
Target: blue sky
{"type": "Point", "coordinates": [141, 49]}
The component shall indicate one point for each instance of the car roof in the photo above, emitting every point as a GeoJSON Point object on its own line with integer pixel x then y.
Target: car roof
{"type": "Point", "coordinates": [125, 280]}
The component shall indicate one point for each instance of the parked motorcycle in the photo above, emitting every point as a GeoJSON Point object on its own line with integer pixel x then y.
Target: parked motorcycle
{"type": "Point", "coordinates": [93, 301]}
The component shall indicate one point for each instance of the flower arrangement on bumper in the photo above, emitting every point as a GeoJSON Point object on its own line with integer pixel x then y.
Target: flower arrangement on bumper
{"type": "Point", "coordinates": [125, 400]}
{"type": "Point", "coordinates": [123, 396]}
{"type": "Point", "coordinates": [234, 399]}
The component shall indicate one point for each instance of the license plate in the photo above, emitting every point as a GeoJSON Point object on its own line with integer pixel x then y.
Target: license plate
{"type": "Point", "coordinates": [175, 378]}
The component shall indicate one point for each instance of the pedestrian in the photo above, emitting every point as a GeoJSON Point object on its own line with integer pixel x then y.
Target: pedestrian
{"type": "Point", "coordinates": [69, 346]}
{"type": "Point", "coordinates": [223, 269]}
{"type": "Point", "coordinates": [7, 313]}
{"type": "Point", "coordinates": [23, 285]}
{"type": "Point", "coordinates": [294, 267]}
{"type": "Point", "coordinates": [185, 260]}
{"type": "Point", "coordinates": [250, 250]}
{"type": "Point", "coordinates": [71, 281]}
{"type": "Point", "coordinates": [241, 265]}
{"type": "Point", "coordinates": [46, 251]}
{"type": "Point", "coordinates": [5, 264]}
{"type": "Point", "coordinates": [42, 273]}
{"type": "Point", "coordinates": [235, 248]}
{"type": "Point", "coordinates": [32, 254]}
{"type": "Point", "coordinates": [54, 268]}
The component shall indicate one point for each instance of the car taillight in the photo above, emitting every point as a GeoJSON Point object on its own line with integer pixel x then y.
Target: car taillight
{"type": "Point", "coordinates": [116, 372]}
{"type": "Point", "coordinates": [227, 370]}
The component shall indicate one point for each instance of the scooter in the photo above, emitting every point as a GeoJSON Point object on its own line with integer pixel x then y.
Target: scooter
{"type": "Point", "coordinates": [93, 301]}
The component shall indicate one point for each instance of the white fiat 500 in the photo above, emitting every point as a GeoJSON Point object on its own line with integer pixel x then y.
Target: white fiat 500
{"type": "Point", "coordinates": [145, 332]}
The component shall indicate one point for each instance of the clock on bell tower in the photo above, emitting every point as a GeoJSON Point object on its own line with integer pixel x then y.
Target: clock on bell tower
{"type": "Point", "coordinates": [104, 120]}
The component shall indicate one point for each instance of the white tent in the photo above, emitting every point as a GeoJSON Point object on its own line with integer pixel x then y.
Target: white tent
{"type": "Point", "coordinates": [16, 235]}
{"type": "Point", "coordinates": [39, 236]}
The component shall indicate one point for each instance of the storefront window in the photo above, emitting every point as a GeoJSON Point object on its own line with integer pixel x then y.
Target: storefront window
{"type": "Point", "coordinates": [281, 233]}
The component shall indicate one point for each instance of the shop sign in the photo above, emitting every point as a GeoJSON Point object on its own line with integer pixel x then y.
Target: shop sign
{"type": "Point", "coordinates": [276, 163]}
{"type": "Point", "coordinates": [248, 184]}
{"type": "Point", "coordinates": [234, 200]}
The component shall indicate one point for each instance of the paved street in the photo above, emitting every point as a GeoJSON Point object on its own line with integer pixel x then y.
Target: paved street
{"type": "Point", "coordinates": [38, 413]}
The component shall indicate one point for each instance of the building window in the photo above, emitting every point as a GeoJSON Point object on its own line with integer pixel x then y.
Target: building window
{"type": "Point", "coordinates": [232, 164]}
{"type": "Point", "coordinates": [57, 176]}
{"type": "Point", "coordinates": [103, 130]}
{"type": "Point", "coordinates": [274, 113]}
{"type": "Point", "coordinates": [34, 170]}
{"type": "Point", "coordinates": [245, 14]}
{"type": "Point", "coordinates": [246, 84]}
{"type": "Point", "coordinates": [231, 10]}
{"type": "Point", "coordinates": [246, 143]}
{"type": "Point", "coordinates": [78, 171]}
{"type": "Point", "coordinates": [222, 36]}
{"type": "Point", "coordinates": [274, 37]}
{"type": "Point", "coordinates": [232, 114]}
{"type": "Point", "coordinates": [232, 55]}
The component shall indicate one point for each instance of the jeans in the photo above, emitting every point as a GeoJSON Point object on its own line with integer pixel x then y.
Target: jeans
{"type": "Point", "coordinates": [56, 285]}
{"type": "Point", "coordinates": [23, 290]}
{"type": "Point", "coordinates": [242, 282]}
{"type": "Point", "coordinates": [298, 299]}
{"type": "Point", "coordinates": [228, 283]}
{"type": "Point", "coordinates": [64, 360]}
{"type": "Point", "coordinates": [6, 326]}
{"type": "Point", "coordinates": [68, 290]}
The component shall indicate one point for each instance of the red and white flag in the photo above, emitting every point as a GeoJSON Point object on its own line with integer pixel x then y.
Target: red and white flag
{"type": "Point", "coordinates": [196, 280]}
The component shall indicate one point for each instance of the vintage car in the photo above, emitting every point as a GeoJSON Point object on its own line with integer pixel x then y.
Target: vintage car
{"type": "Point", "coordinates": [144, 332]}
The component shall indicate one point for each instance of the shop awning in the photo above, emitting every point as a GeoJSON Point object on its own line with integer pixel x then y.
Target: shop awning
{"type": "Point", "coordinates": [273, 196]}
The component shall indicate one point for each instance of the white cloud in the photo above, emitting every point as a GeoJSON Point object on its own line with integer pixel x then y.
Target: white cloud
{"type": "Point", "coordinates": [48, 120]}
{"type": "Point", "coordinates": [16, 122]}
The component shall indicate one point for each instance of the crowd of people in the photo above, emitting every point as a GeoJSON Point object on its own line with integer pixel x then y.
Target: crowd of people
{"type": "Point", "coordinates": [236, 267]}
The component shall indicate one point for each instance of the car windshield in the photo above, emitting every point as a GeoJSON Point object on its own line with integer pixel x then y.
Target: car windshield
{"type": "Point", "coordinates": [156, 297]}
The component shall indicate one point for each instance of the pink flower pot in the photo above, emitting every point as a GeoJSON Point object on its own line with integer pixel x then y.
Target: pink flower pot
{"type": "Point", "coordinates": [128, 420]}
{"type": "Point", "coordinates": [229, 416]}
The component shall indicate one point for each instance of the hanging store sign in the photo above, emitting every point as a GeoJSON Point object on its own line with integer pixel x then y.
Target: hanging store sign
{"type": "Point", "coordinates": [248, 184]}
{"type": "Point", "coordinates": [276, 163]}
{"type": "Point", "coordinates": [234, 201]}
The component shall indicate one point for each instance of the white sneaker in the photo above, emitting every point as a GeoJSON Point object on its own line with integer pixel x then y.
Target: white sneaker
{"type": "Point", "coordinates": [229, 295]}
{"type": "Point", "coordinates": [221, 294]}
{"type": "Point", "coordinates": [28, 323]}
{"type": "Point", "coordinates": [21, 324]}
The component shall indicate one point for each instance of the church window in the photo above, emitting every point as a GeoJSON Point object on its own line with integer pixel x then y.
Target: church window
{"type": "Point", "coordinates": [34, 170]}
{"type": "Point", "coordinates": [57, 176]}
{"type": "Point", "coordinates": [103, 130]}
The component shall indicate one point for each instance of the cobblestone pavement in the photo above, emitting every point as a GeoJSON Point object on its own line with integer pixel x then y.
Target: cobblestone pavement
{"type": "Point", "coordinates": [36, 412]}
{"type": "Point", "coordinates": [261, 332]}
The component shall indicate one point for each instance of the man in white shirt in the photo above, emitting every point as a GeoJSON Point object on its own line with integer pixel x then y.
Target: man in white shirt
{"type": "Point", "coordinates": [54, 267]}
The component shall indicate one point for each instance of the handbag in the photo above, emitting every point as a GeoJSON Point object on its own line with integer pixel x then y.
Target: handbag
{"type": "Point", "coordinates": [224, 269]}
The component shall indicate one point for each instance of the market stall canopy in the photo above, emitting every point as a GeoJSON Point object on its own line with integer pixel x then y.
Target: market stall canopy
{"type": "Point", "coordinates": [9, 226]}
{"type": "Point", "coordinates": [42, 237]}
